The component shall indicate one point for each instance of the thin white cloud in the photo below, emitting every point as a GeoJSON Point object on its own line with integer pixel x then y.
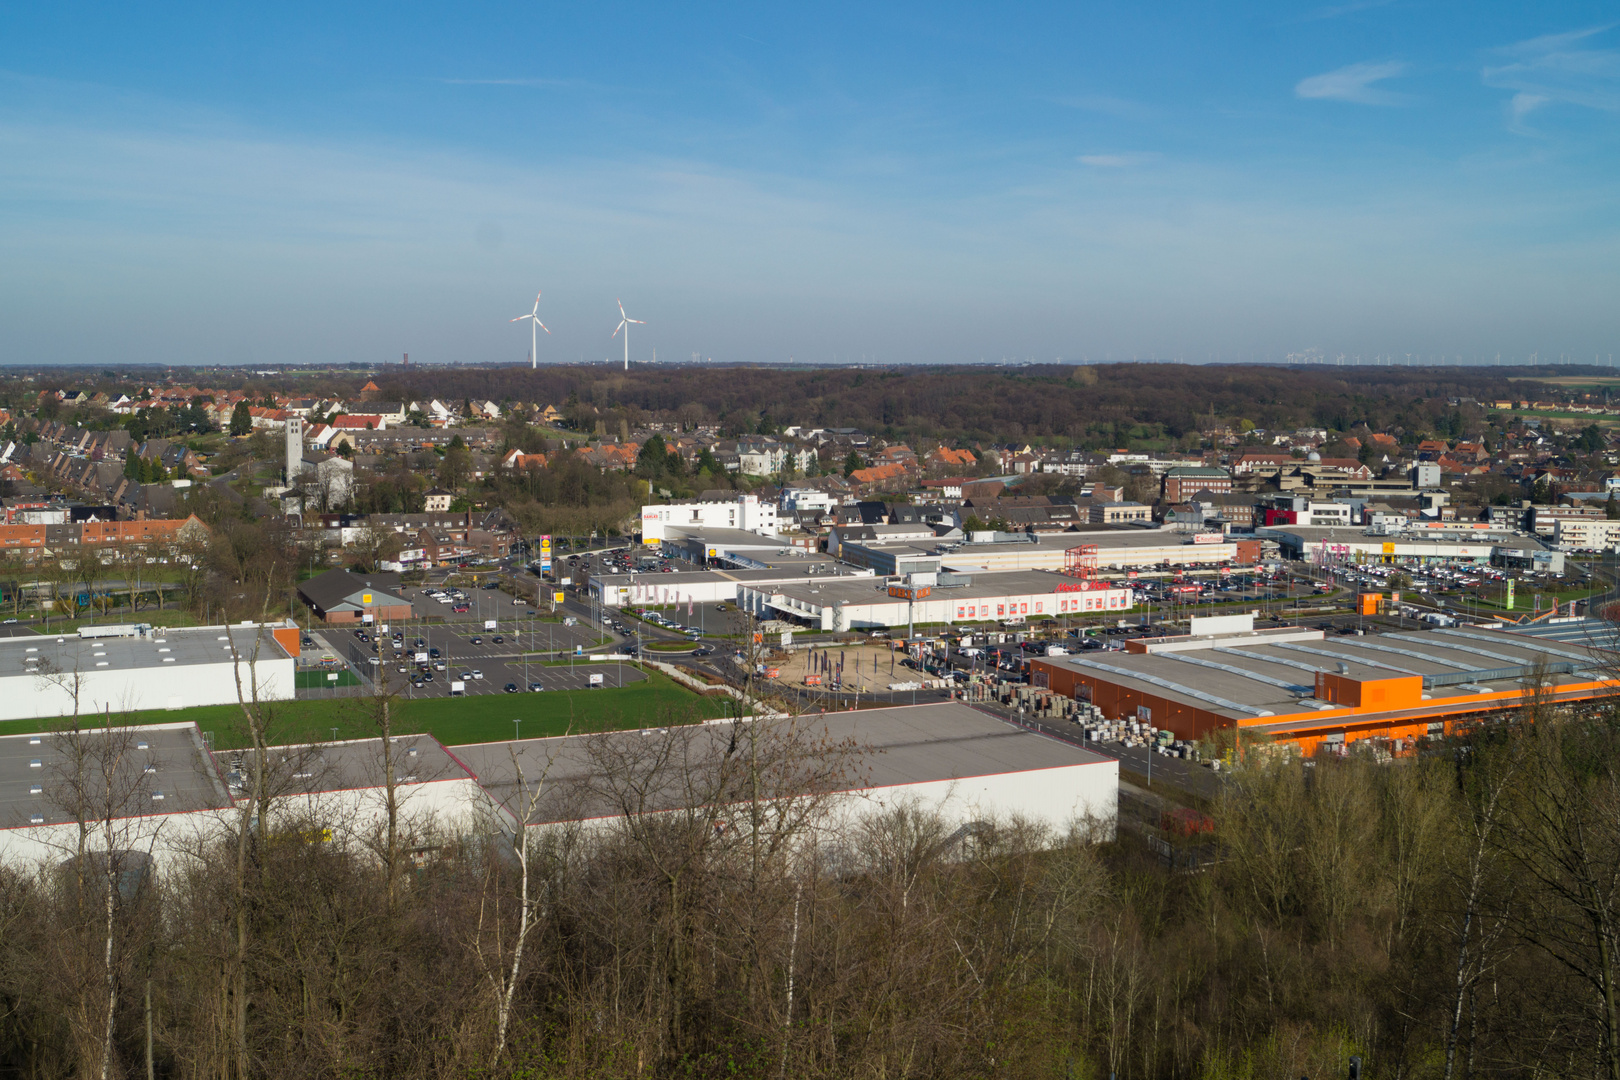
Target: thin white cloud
{"type": "Point", "coordinates": [1353, 83]}
{"type": "Point", "coordinates": [1557, 68]}
{"type": "Point", "coordinates": [1106, 104]}
{"type": "Point", "coordinates": [1116, 161]}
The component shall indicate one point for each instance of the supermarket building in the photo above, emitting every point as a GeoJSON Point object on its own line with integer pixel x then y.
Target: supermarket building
{"type": "Point", "coordinates": [842, 604]}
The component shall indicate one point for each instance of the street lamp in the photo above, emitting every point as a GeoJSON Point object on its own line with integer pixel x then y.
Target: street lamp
{"type": "Point", "coordinates": [515, 723]}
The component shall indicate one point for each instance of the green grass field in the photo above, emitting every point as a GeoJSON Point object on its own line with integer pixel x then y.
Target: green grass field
{"type": "Point", "coordinates": [316, 679]}
{"type": "Point", "coordinates": [485, 718]}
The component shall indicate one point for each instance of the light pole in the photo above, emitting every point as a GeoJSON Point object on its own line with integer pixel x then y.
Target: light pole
{"type": "Point", "coordinates": [515, 723]}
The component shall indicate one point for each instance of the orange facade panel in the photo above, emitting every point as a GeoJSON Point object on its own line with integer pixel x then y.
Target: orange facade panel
{"type": "Point", "coordinates": [288, 638]}
{"type": "Point", "coordinates": [1405, 692]}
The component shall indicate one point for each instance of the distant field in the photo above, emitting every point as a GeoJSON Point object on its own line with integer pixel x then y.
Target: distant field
{"type": "Point", "coordinates": [485, 718]}
{"type": "Point", "coordinates": [1595, 381]}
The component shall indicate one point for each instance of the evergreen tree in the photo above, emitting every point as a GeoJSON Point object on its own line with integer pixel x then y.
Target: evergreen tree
{"type": "Point", "coordinates": [241, 419]}
{"type": "Point", "coordinates": [653, 458]}
{"type": "Point", "coordinates": [132, 465]}
{"type": "Point", "coordinates": [852, 461]}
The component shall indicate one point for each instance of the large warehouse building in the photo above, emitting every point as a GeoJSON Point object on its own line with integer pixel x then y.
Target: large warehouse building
{"type": "Point", "coordinates": [131, 668]}
{"type": "Point", "coordinates": [948, 758]}
{"type": "Point", "coordinates": [1416, 547]}
{"type": "Point", "coordinates": [1300, 686]}
{"type": "Point", "coordinates": [1117, 550]}
{"type": "Point", "coordinates": [171, 793]}
{"type": "Point", "coordinates": [842, 604]}
{"type": "Point", "coordinates": [712, 586]}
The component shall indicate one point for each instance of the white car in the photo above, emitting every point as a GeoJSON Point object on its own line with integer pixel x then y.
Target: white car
{"type": "Point", "coordinates": [477, 674]}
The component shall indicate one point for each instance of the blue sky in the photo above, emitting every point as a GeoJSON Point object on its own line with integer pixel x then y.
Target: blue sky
{"type": "Point", "coordinates": [283, 183]}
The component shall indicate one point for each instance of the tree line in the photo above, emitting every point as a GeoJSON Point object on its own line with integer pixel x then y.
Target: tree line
{"type": "Point", "coordinates": [1093, 406]}
{"type": "Point", "coordinates": [1454, 914]}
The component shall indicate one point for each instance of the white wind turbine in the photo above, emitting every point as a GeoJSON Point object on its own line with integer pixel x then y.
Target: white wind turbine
{"type": "Point", "coordinates": [534, 335]}
{"type": "Point", "coordinates": [624, 324]}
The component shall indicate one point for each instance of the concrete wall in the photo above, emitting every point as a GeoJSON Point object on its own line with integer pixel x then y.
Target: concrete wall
{"type": "Point", "coordinates": [434, 810]}
{"type": "Point", "coordinates": [1057, 797]}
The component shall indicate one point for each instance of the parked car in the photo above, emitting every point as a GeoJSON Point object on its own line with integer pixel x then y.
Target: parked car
{"type": "Point", "coordinates": [511, 688]}
{"type": "Point", "coordinates": [535, 687]}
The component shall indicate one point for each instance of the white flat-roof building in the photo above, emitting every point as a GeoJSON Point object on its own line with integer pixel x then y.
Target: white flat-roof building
{"type": "Point", "coordinates": [843, 604]}
{"type": "Point", "coordinates": [947, 758]}
{"type": "Point", "coordinates": [122, 669]}
{"type": "Point", "coordinates": [168, 793]}
{"type": "Point", "coordinates": [710, 586]}
{"type": "Point", "coordinates": [745, 512]}
{"type": "Point", "coordinates": [1117, 549]}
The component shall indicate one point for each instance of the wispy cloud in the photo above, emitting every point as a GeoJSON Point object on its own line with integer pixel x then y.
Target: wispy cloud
{"type": "Point", "coordinates": [1106, 104]}
{"type": "Point", "coordinates": [1354, 83]}
{"type": "Point", "coordinates": [1557, 68]}
{"type": "Point", "coordinates": [1116, 161]}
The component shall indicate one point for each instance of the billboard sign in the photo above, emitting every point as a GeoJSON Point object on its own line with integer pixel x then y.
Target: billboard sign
{"type": "Point", "coordinates": [910, 592]}
{"type": "Point", "coordinates": [597, 679]}
{"type": "Point", "coordinates": [545, 553]}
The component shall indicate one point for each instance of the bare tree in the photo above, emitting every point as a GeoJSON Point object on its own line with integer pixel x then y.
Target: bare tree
{"type": "Point", "coordinates": [488, 941]}
{"type": "Point", "coordinates": [102, 782]}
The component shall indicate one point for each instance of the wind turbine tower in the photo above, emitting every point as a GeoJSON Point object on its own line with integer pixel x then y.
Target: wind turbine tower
{"type": "Point", "coordinates": [624, 324]}
{"type": "Point", "coordinates": [534, 335]}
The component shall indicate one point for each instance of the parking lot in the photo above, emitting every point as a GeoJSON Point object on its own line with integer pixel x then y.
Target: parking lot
{"type": "Point", "coordinates": [421, 658]}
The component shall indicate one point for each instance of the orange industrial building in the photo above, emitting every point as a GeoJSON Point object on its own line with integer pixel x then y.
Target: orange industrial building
{"type": "Point", "coordinates": [1301, 686]}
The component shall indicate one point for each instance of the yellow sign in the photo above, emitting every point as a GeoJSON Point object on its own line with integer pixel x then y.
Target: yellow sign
{"type": "Point", "coordinates": [558, 597]}
{"type": "Point", "coordinates": [365, 598]}
{"type": "Point", "coordinates": [1389, 548]}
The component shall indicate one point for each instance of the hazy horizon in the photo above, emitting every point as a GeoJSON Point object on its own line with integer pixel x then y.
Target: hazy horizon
{"type": "Point", "coordinates": [915, 185]}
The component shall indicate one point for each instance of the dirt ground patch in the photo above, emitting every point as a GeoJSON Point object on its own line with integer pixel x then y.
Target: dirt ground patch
{"type": "Point", "coordinates": [866, 667]}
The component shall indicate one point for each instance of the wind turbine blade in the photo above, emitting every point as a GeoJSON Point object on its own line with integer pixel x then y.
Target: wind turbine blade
{"type": "Point", "coordinates": [520, 318]}
{"type": "Point", "coordinates": [621, 309]}
{"type": "Point", "coordinates": [638, 322]}
{"type": "Point", "coordinates": [616, 329]}
{"type": "Point", "coordinates": [541, 325]}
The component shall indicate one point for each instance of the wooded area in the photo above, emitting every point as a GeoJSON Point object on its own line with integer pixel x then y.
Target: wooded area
{"type": "Point", "coordinates": [1451, 915]}
{"type": "Point", "coordinates": [1089, 406]}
